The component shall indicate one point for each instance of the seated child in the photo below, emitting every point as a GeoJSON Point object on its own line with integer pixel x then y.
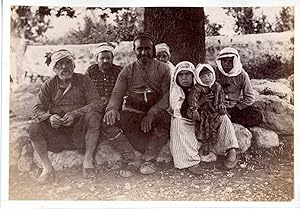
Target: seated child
{"type": "Point", "coordinates": [206, 105]}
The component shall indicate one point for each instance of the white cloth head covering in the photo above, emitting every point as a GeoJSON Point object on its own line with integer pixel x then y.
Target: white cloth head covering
{"type": "Point", "coordinates": [104, 47]}
{"type": "Point", "coordinates": [60, 54]}
{"type": "Point", "coordinates": [163, 47]}
{"type": "Point", "coordinates": [237, 65]}
{"type": "Point", "coordinates": [176, 93]}
{"type": "Point", "coordinates": [181, 66]}
{"type": "Point", "coordinates": [199, 68]}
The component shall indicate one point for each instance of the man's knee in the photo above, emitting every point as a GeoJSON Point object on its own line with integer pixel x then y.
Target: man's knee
{"type": "Point", "coordinates": [36, 131]}
{"type": "Point", "coordinates": [93, 120]}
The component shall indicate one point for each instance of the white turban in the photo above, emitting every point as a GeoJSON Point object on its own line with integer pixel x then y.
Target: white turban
{"type": "Point", "coordinates": [58, 55]}
{"type": "Point", "coordinates": [163, 47]}
{"type": "Point", "coordinates": [237, 65]}
{"type": "Point", "coordinates": [104, 47]}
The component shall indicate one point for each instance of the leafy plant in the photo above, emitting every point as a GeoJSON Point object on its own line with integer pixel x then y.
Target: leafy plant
{"type": "Point", "coordinates": [269, 66]}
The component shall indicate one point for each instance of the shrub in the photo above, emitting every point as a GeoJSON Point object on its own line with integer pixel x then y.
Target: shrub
{"type": "Point", "coordinates": [269, 66]}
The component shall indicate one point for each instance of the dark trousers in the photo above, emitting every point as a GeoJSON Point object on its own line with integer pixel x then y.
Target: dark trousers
{"type": "Point", "coordinates": [151, 142]}
{"type": "Point", "coordinates": [248, 117]}
{"type": "Point", "coordinates": [66, 137]}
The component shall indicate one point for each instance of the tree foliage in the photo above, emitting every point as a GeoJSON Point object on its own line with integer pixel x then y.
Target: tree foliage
{"type": "Point", "coordinates": [125, 25]}
{"type": "Point", "coordinates": [211, 29]}
{"type": "Point", "coordinates": [246, 22]}
{"type": "Point", "coordinates": [285, 21]}
{"type": "Point", "coordinates": [32, 22]}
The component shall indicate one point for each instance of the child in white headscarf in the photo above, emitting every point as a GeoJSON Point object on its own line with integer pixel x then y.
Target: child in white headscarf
{"type": "Point", "coordinates": [163, 54]}
{"type": "Point", "coordinates": [206, 105]}
{"type": "Point", "coordinates": [239, 95]}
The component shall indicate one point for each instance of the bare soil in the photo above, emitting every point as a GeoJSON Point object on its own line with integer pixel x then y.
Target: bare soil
{"type": "Point", "coordinates": [261, 175]}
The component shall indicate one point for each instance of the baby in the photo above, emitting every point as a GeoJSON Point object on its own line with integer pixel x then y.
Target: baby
{"type": "Point", "coordinates": [206, 105]}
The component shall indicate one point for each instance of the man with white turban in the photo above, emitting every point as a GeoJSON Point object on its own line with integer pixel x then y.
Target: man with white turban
{"type": "Point", "coordinates": [239, 95]}
{"type": "Point", "coordinates": [66, 115]}
{"type": "Point", "coordinates": [104, 74]}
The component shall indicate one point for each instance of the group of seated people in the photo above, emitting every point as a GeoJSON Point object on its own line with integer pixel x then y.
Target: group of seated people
{"type": "Point", "coordinates": [146, 104]}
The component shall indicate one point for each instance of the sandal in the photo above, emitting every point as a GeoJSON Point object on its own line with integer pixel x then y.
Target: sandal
{"type": "Point", "coordinates": [147, 168]}
{"type": "Point", "coordinates": [196, 170]}
{"type": "Point", "coordinates": [231, 164]}
{"type": "Point", "coordinates": [128, 171]}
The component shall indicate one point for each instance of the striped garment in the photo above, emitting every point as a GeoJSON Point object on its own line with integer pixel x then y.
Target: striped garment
{"type": "Point", "coordinates": [183, 144]}
{"type": "Point", "coordinates": [226, 137]}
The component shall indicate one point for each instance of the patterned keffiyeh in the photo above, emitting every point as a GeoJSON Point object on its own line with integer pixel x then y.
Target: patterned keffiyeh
{"type": "Point", "coordinates": [57, 55]}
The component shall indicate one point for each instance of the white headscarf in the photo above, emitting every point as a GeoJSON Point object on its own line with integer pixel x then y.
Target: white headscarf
{"type": "Point", "coordinates": [176, 93]}
{"type": "Point", "coordinates": [60, 54]}
{"type": "Point", "coordinates": [108, 47]}
{"type": "Point", "coordinates": [199, 68]}
{"type": "Point", "coordinates": [163, 47]}
{"type": "Point", "coordinates": [237, 65]}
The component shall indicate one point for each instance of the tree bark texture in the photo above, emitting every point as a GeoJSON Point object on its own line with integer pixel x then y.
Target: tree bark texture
{"type": "Point", "coordinates": [182, 29]}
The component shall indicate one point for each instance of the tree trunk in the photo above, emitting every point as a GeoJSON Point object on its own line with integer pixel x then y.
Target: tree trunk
{"type": "Point", "coordinates": [182, 29]}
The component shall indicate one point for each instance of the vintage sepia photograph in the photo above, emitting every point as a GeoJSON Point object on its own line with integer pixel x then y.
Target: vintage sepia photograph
{"type": "Point", "coordinates": [160, 103]}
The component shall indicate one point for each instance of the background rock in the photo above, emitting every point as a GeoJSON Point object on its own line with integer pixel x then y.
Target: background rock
{"type": "Point", "coordinates": [106, 154]}
{"type": "Point", "coordinates": [22, 104]}
{"type": "Point", "coordinates": [291, 81]}
{"type": "Point", "coordinates": [19, 123]}
{"type": "Point", "coordinates": [25, 163]}
{"type": "Point", "coordinates": [27, 87]}
{"type": "Point", "coordinates": [64, 159]}
{"type": "Point", "coordinates": [280, 88]}
{"type": "Point", "coordinates": [27, 149]}
{"type": "Point", "coordinates": [264, 138]}
{"type": "Point", "coordinates": [244, 137]}
{"type": "Point", "coordinates": [17, 139]}
{"type": "Point", "coordinates": [278, 114]}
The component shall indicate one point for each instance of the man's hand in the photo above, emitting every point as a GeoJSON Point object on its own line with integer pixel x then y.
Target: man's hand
{"type": "Point", "coordinates": [55, 121]}
{"type": "Point", "coordinates": [206, 98]}
{"type": "Point", "coordinates": [146, 125]}
{"type": "Point", "coordinates": [111, 116]}
{"type": "Point", "coordinates": [69, 118]}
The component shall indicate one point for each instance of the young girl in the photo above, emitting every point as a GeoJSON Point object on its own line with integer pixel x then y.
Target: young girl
{"type": "Point", "coordinates": [206, 105]}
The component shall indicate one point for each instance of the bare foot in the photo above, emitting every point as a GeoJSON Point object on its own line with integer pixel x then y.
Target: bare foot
{"type": "Point", "coordinates": [47, 176]}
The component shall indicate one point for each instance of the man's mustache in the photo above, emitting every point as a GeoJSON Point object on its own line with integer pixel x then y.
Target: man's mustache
{"type": "Point", "coordinates": [141, 56]}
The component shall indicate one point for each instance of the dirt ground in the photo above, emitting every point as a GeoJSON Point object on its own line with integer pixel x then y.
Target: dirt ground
{"type": "Point", "coordinates": [261, 175]}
